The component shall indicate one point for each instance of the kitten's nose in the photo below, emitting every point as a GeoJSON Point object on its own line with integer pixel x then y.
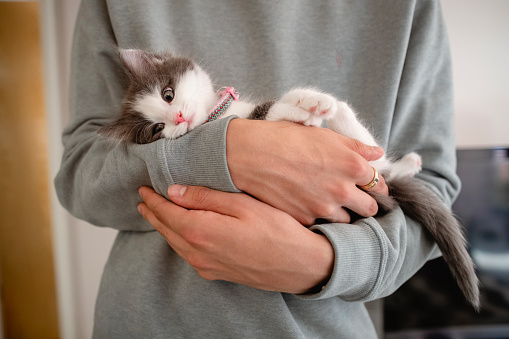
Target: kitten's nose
{"type": "Point", "coordinates": [179, 118]}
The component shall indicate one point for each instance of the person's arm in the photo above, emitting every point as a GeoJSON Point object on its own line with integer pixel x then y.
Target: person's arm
{"type": "Point", "coordinates": [99, 178]}
{"type": "Point", "coordinates": [372, 257]}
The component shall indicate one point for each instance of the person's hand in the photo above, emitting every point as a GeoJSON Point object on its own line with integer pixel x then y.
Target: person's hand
{"type": "Point", "coordinates": [307, 172]}
{"type": "Point", "coordinates": [234, 237]}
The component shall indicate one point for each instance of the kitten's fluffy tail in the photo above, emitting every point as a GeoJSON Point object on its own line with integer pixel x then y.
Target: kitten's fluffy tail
{"type": "Point", "coordinates": [422, 205]}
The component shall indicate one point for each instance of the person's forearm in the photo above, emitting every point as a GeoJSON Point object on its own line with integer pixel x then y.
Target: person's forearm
{"type": "Point", "coordinates": [98, 180]}
{"type": "Point", "coordinates": [389, 250]}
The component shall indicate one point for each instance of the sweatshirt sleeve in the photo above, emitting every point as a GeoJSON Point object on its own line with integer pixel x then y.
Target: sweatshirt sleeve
{"type": "Point", "coordinates": [99, 179]}
{"type": "Point", "coordinates": [375, 256]}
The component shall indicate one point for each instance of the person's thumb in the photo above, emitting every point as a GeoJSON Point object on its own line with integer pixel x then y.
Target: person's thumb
{"type": "Point", "coordinates": [202, 198]}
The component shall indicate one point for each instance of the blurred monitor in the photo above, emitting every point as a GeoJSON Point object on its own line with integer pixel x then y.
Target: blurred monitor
{"type": "Point", "coordinates": [430, 305]}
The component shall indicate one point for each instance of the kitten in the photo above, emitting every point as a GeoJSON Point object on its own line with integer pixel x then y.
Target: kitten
{"type": "Point", "coordinates": [168, 96]}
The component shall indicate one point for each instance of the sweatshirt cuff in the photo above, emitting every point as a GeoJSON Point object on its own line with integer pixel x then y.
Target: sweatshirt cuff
{"type": "Point", "coordinates": [359, 255]}
{"type": "Point", "coordinates": [198, 158]}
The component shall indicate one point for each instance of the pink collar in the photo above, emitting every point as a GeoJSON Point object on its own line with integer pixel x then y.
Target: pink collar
{"type": "Point", "coordinates": [229, 95]}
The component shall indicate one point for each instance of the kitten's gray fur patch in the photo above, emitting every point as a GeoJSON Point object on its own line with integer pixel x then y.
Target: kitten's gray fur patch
{"type": "Point", "coordinates": [260, 111]}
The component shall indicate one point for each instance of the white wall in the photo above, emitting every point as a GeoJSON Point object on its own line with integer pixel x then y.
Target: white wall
{"type": "Point", "coordinates": [479, 34]}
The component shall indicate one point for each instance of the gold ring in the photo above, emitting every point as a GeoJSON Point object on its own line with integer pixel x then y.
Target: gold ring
{"type": "Point", "coordinates": [372, 183]}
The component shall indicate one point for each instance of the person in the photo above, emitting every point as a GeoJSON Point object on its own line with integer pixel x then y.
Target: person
{"type": "Point", "coordinates": [238, 252]}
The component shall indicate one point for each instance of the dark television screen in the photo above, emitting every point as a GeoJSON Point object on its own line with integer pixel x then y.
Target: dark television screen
{"type": "Point", "coordinates": [430, 305]}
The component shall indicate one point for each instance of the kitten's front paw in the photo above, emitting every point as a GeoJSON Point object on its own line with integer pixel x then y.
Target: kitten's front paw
{"type": "Point", "coordinates": [320, 106]}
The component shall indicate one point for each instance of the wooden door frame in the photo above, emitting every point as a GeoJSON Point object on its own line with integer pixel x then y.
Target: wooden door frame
{"type": "Point", "coordinates": [53, 54]}
{"type": "Point", "coordinates": [29, 305]}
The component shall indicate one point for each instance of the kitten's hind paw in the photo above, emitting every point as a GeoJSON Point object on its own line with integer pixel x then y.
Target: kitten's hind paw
{"type": "Point", "coordinates": [408, 166]}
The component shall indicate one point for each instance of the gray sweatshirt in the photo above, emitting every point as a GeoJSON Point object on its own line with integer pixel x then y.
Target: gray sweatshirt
{"type": "Point", "coordinates": [389, 60]}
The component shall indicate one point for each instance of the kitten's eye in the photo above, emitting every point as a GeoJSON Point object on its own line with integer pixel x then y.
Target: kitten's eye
{"type": "Point", "coordinates": [168, 94]}
{"type": "Point", "coordinates": [157, 128]}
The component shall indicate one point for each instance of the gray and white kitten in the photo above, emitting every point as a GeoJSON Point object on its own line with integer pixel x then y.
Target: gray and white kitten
{"type": "Point", "coordinates": [167, 96]}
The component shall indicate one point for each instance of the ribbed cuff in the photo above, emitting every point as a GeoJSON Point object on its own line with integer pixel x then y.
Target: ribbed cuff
{"type": "Point", "coordinates": [358, 254]}
{"type": "Point", "coordinates": [198, 158]}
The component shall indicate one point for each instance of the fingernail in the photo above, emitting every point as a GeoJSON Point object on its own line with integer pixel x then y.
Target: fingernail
{"type": "Point", "coordinates": [176, 191]}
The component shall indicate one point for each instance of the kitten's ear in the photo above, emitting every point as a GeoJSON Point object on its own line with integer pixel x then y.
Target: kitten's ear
{"type": "Point", "coordinates": [137, 61]}
{"type": "Point", "coordinates": [130, 128]}
{"type": "Point", "coordinates": [118, 129]}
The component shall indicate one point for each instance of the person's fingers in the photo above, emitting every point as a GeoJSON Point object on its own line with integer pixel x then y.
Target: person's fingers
{"type": "Point", "coordinates": [368, 177]}
{"type": "Point", "coordinates": [165, 216]}
{"type": "Point", "coordinates": [380, 187]}
{"type": "Point", "coordinates": [370, 153]}
{"type": "Point", "coordinates": [340, 215]}
{"type": "Point", "coordinates": [362, 203]}
{"type": "Point", "coordinates": [186, 231]}
{"type": "Point", "coordinates": [148, 215]}
{"type": "Point", "coordinates": [153, 199]}
{"type": "Point", "coordinates": [155, 209]}
{"type": "Point", "coordinates": [202, 198]}
{"type": "Point", "coordinates": [158, 205]}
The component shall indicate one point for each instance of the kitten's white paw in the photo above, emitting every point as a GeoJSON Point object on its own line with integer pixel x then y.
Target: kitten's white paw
{"type": "Point", "coordinates": [408, 166]}
{"type": "Point", "coordinates": [414, 161]}
{"type": "Point", "coordinates": [320, 106]}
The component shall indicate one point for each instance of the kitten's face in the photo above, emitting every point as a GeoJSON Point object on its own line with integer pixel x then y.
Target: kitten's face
{"type": "Point", "coordinates": [166, 98]}
{"type": "Point", "coordinates": [177, 103]}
